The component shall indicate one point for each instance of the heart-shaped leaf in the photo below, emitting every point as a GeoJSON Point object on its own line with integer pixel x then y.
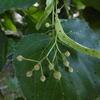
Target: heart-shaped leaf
{"type": "Point", "coordinates": [82, 84]}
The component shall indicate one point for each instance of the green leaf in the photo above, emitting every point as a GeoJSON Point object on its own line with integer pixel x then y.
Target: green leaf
{"type": "Point", "coordinates": [8, 24]}
{"type": "Point", "coordinates": [12, 4]}
{"type": "Point", "coordinates": [80, 31]}
{"type": "Point", "coordinates": [93, 3]}
{"type": "Point", "coordinates": [79, 4]}
{"type": "Point", "coordinates": [34, 13]}
{"type": "Point", "coordinates": [3, 49]}
{"type": "Point", "coordinates": [30, 46]}
{"type": "Point", "coordinates": [87, 67]}
{"type": "Point", "coordinates": [82, 84]}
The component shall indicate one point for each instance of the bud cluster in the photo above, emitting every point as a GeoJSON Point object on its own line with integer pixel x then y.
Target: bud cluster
{"type": "Point", "coordinates": [51, 66]}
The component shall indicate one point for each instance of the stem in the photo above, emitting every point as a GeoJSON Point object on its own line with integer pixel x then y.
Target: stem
{"type": "Point", "coordinates": [66, 8]}
{"type": "Point", "coordinates": [54, 56]}
{"type": "Point", "coordinates": [52, 46]}
{"type": "Point", "coordinates": [68, 41]}
{"type": "Point", "coordinates": [51, 49]}
{"type": "Point", "coordinates": [48, 60]}
{"type": "Point", "coordinates": [30, 60]}
{"type": "Point", "coordinates": [58, 49]}
{"type": "Point", "coordinates": [53, 17]}
{"type": "Point", "coordinates": [41, 70]}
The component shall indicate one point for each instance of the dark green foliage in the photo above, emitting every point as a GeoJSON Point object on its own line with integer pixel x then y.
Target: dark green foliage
{"type": "Point", "coordinates": [82, 84]}
{"type": "Point", "coordinates": [13, 4]}
{"type": "Point", "coordinates": [93, 3]}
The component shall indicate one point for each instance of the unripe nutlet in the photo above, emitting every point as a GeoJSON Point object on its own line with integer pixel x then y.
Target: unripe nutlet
{"type": "Point", "coordinates": [51, 66]}
{"type": "Point", "coordinates": [70, 69]}
{"type": "Point", "coordinates": [47, 25]}
{"type": "Point", "coordinates": [29, 74]}
{"type": "Point", "coordinates": [36, 67]}
{"type": "Point", "coordinates": [58, 11]}
{"type": "Point", "coordinates": [20, 58]}
{"type": "Point", "coordinates": [67, 53]}
{"type": "Point", "coordinates": [66, 63]}
{"type": "Point", "coordinates": [42, 78]}
{"type": "Point", "coordinates": [57, 75]}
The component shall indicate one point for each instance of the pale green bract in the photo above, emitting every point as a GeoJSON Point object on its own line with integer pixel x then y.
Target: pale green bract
{"type": "Point", "coordinates": [68, 41]}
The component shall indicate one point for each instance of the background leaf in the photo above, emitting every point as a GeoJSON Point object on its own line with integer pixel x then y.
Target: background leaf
{"type": "Point", "coordinates": [82, 84]}
{"type": "Point", "coordinates": [93, 3]}
{"type": "Point", "coordinates": [11, 4]}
